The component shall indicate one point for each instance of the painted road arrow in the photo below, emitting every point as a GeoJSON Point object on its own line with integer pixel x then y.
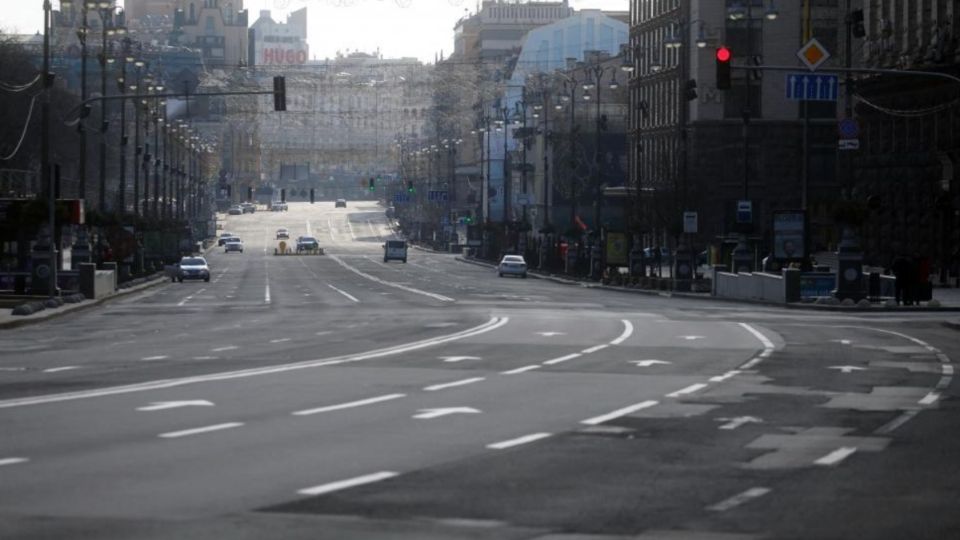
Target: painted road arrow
{"type": "Point", "coordinates": [847, 369]}
{"type": "Point", "coordinates": [458, 358]}
{"type": "Point", "coordinates": [436, 413]}
{"type": "Point", "coordinates": [648, 363]}
{"type": "Point", "coordinates": [734, 423]}
{"type": "Point", "coordinates": [162, 405]}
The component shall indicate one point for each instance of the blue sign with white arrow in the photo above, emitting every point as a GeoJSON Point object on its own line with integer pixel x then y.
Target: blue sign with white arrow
{"type": "Point", "coordinates": [812, 86]}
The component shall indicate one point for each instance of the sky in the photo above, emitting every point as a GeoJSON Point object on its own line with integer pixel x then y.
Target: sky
{"type": "Point", "coordinates": [399, 28]}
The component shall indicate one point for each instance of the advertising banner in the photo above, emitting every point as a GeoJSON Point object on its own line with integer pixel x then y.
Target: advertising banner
{"type": "Point", "coordinates": [617, 251]}
{"type": "Point", "coordinates": [789, 228]}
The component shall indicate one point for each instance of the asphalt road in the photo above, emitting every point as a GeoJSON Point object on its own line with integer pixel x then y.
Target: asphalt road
{"type": "Point", "coordinates": [338, 396]}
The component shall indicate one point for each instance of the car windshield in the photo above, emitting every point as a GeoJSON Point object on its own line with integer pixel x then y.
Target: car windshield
{"type": "Point", "coordinates": [513, 259]}
{"type": "Point", "coordinates": [192, 262]}
{"type": "Point", "coordinates": [308, 239]}
{"type": "Point", "coordinates": [396, 244]}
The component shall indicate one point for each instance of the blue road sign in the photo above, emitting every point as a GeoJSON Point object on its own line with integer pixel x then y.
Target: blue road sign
{"type": "Point", "coordinates": [812, 86]}
{"type": "Point", "coordinates": [437, 196]}
{"type": "Point", "coordinates": [401, 197]}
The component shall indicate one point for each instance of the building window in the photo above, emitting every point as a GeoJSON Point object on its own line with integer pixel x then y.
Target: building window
{"type": "Point", "coordinates": [211, 23]}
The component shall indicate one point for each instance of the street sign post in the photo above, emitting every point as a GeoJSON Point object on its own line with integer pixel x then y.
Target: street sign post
{"type": "Point", "coordinates": [744, 211]}
{"type": "Point", "coordinates": [812, 87]}
{"type": "Point", "coordinates": [813, 54]}
{"type": "Point", "coordinates": [848, 131]}
{"type": "Point", "coordinates": [690, 222]}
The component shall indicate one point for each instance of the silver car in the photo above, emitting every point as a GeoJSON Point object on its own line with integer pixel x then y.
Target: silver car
{"type": "Point", "coordinates": [512, 265]}
{"type": "Point", "coordinates": [192, 268]}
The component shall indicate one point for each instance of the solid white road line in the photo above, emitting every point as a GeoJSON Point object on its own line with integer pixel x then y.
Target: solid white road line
{"type": "Point", "coordinates": [187, 299]}
{"type": "Point", "coordinates": [344, 293]}
{"type": "Point", "coordinates": [739, 499]}
{"type": "Point", "coordinates": [227, 348]}
{"type": "Point", "coordinates": [59, 369]}
{"type": "Point", "coordinates": [195, 431]}
{"type": "Point", "coordinates": [518, 441]}
{"type": "Point", "coordinates": [619, 412]}
{"type": "Point", "coordinates": [688, 390]}
{"type": "Point", "coordinates": [454, 383]}
{"type": "Point", "coordinates": [281, 340]}
{"type": "Point", "coordinates": [836, 456]}
{"type": "Point", "coordinates": [349, 483]}
{"type": "Point", "coordinates": [767, 344]}
{"type": "Point", "coordinates": [562, 359]}
{"type": "Point", "coordinates": [350, 226]}
{"type": "Point", "coordinates": [266, 292]}
{"type": "Point", "coordinates": [390, 283]}
{"type": "Point", "coordinates": [521, 370]}
{"type": "Point", "coordinates": [149, 358]}
{"type": "Point", "coordinates": [13, 461]}
{"type": "Point", "coordinates": [594, 349]}
{"type": "Point", "coordinates": [349, 405]}
{"type": "Point", "coordinates": [627, 332]}
{"type": "Point", "coordinates": [489, 326]}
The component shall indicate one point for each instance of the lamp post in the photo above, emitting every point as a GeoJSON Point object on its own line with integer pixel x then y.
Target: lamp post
{"type": "Point", "coordinates": [159, 123]}
{"type": "Point", "coordinates": [137, 149]}
{"type": "Point", "coordinates": [108, 28]}
{"type": "Point", "coordinates": [122, 88]}
{"type": "Point", "coordinates": [82, 33]}
{"type": "Point", "coordinates": [47, 178]}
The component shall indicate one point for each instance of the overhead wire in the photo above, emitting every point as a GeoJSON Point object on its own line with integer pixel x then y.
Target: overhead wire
{"type": "Point", "coordinates": [23, 134]}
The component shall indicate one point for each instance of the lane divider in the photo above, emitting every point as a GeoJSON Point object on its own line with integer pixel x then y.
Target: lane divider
{"type": "Point", "coordinates": [375, 279]}
{"type": "Point", "coordinates": [489, 326]}
{"type": "Point", "coordinates": [518, 441]}
{"type": "Point", "coordinates": [349, 483]}
{"type": "Point", "coordinates": [197, 431]}
{"type": "Point", "coordinates": [350, 405]}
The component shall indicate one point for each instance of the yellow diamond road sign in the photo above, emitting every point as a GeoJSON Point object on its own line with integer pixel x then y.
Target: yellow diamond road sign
{"type": "Point", "coordinates": [813, 54]}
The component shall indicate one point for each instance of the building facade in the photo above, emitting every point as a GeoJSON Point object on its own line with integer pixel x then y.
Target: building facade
{"type": "Point", "coordinates": [217, 28]}
{"type": "Point", "coordinates": [279, 44]}
{"type": "Point", "coordinates": [697, 148]}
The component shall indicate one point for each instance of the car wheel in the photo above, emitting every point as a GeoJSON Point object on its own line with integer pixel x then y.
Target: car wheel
{"type": "Point", "coordinates": [404, 261]}
{"type": "Point", "coordinates": [501, 274]}
{"type": "Point", "coordinates": [180, 280]}
{"type": "Point", "coordinates": [173, 280]}
{"type": "Point", "coordinates": [524, 276]}
{"type": "Point", "coordinates": [385, 259]}
{"type": "Point", "coordinates": [207, 279]}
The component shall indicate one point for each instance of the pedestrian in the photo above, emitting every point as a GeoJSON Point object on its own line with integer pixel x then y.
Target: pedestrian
{"type": "Point", "coordinates": [901, 268]}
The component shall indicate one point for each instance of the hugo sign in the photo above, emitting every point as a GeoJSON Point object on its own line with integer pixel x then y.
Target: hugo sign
{"type": "Point", "coordinates": [275, 55]}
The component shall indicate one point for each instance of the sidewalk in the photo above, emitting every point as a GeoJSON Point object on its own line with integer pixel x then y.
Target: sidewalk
{"type": "Point", "coordinates": [949, 299]}
{"type": "Point", "coordinates": [8, 320]}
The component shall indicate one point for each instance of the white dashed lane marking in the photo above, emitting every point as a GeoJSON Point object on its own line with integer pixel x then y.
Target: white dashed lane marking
{"type": "Point", "coordinates": [349, 483]}
{"type": "Point", "coordinates": [518, 441]}
{"type": "Point", "coordinates": [739, 499]}
{"type": "Point", "coordinates": [197, 431]}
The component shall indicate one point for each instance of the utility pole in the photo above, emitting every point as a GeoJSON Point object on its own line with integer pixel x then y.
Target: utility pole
{"type": "Point", "coordinates": [45, 166]}
{"type": "Point", "coordinates": [82, 36]}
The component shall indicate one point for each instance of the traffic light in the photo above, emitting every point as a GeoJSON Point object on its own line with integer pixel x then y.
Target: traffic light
{"type": "Point", "coordinates": [373, 185]}
{"type": "Point", "coordinates": [279, 93]}
{"type": "Point", "coordinates": [283, 195]}
{"type": "Point", "coordinates": [311, 196]}
{"type": "Point", "coordinates": [723, 68]}
{"type": "Point", "coordinates": [410, 186]}
{"type": "Point", "coordinates": [690, 90]}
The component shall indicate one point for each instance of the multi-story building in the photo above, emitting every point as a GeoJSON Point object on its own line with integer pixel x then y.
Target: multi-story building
{"type": "Point", "coordinates": [344, 116]}
{"type": "Point", "coordinates": [697, 148]}
{"type": "Point", "coordinates": [906, 171]}
{"type": "Point", "coordinates": [498, 28]}
{"type": "Point", "coordinates": [279, 44]}
{"type": "Point", "coordinates": [218, 28]}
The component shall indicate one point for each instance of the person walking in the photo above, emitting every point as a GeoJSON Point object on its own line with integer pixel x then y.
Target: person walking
{"type": "Point", "coordinates": [901, 270]}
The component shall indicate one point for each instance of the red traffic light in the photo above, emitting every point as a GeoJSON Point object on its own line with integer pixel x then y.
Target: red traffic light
{"type": "Point", "coordinates": [723, 54]}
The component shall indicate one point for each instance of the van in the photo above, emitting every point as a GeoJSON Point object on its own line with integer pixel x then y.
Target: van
{"type": "Point", "coordinates": [395, 249]}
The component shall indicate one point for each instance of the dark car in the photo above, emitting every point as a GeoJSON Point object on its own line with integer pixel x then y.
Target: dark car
{"type": "Point", "coordinates": [341, 203]}
{"type": "Point", "coordinates": [307, 243]}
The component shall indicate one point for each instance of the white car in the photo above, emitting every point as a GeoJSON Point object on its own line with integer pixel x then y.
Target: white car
{"type": "Point", "coordinates": [233, 244]}
{"type": "Point", "coordinates": [514, 265]}
{"type": "Point", "coordinates": [192, 268]}
{"type": "Point", "coordinates": [282, 232]}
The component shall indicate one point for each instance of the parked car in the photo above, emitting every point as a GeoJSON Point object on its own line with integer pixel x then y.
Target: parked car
{"type": "Point", "coordinates": [223, 238]}
{"type": "Point", "coordinates": [278, 206]}
{"type": "Point", "coordinates": [307, 243]}
{"type": "Point", "coordinates": [395, 250]}
{"type": "Point", "coordinates": [192, 268]}
{"type": "Point", "coordinates": [233, 244]}
{"type": "Point", "coordinates": [341, 203]}
{"type": "Point", "coordinates": [513, 265]}
{"type": "Point", "coordinates": [235, 210]}
{"type": "Point", "coordinates": [282, 232]}
{"type": "Point", "coordinates": [248, 208]}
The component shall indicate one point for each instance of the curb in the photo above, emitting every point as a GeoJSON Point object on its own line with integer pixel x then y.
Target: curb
{"type": "Point", "coordinates": [704, 296]}
{"type": "Point", "coordinates": [49, 314]}
{"type": "Point", "coordinates": [953, 325]}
